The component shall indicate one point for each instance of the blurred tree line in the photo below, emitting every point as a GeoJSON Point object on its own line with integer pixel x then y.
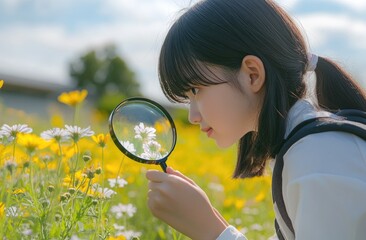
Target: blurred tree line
{"type": "Point", "coordinates": [109, 80]}
{"type": "Point", "coordinates": [106, 76]}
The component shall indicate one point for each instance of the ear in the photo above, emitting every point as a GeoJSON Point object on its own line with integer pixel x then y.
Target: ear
{"type": "Point", "coordinates": [253, 67]}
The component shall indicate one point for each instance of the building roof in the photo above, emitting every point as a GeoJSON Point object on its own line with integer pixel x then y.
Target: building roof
{"type": "Point", "coordinates": [27, 85]}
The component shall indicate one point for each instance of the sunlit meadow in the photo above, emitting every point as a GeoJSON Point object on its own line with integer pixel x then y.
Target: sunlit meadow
{"type": "Point", "coordinates": [64, 180]}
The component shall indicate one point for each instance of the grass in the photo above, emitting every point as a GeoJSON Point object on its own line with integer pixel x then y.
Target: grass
{"type": "Point", "coordinates": [61, 190]}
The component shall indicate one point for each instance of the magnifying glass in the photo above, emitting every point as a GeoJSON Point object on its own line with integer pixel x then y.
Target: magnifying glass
{"type": "Point", "coordinates": [143, 130]}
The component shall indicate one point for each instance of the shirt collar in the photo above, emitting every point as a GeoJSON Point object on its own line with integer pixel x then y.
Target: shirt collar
{"type": "Point", "coordinates": [303, 110]}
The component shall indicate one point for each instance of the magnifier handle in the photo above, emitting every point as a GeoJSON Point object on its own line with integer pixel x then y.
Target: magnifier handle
{"type": "Point", "coordinates": [163, 166]}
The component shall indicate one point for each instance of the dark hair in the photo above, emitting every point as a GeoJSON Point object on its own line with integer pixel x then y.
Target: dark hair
{"type": "Point", "coordinates": [336, 89]}
{"type": "Point", "coordinates": [221, 33]}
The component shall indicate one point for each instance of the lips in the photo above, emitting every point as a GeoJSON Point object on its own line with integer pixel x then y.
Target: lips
{"type": "Point", "coordinates": [208, 131]}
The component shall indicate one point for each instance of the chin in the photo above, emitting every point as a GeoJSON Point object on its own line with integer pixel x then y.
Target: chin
{"type": "Point", "coordinates": [224, 144]}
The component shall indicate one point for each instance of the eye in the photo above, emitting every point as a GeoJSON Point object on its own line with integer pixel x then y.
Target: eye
{"type": "Point", "coordinates": [194, 91]}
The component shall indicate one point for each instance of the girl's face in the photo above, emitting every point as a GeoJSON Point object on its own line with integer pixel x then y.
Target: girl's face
{"type": "Point", "coordinates": [225, 112]}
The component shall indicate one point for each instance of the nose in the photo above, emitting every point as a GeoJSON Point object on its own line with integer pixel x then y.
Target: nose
{"type": "Point", "coordinates": [194, 116]}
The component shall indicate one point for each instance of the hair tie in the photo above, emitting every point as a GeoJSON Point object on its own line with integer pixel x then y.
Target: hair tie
{"type": "Point", "coordinates": [312, 62]}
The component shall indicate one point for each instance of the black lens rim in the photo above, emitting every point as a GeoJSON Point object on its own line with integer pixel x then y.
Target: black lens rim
{"type": "Point", "coordinates": [123, 149]}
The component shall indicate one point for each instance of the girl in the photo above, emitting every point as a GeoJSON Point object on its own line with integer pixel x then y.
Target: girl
{"type": "Point", "coordinates": [241, 65]}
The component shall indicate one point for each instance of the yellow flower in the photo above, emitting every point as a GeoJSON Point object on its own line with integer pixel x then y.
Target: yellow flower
{"type": "Point", "coordinates": [260, 196]}
{"type": "Point", "coordinates": [32, 142]}
{"type": "Point", "coordinates": [79, 179]}
{"type": "Point", "coordinates": [101, 139]}
{"type": "Point", "coordinates": [19, 191]}
{"type": "Point", "coordinates": [2, 208]}
{"type": "Point", "coordinates": [239, 203]}
{"type": "Point", "coordinates": [117, 238]}
{"type": "Point", "coordinates": [162, 126]}
{"type": "Point", "coordinates": [73, 98]}
{"type": "Point", "coordinates": [1, 83]}
{"type": "Point", "coordinates": [57, 121]}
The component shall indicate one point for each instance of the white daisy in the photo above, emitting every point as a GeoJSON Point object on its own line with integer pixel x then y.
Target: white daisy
{"type": "Point", "coordinates": [144, 133]}
{"type": "Point", "coordinates": [5, 140]}
{"type": "Point", "coordinates": [118, 227]}
{"type": "Point", "coordinates": [120, 182]}
{"type": "Point", "coordinates": [26, 229]}
{"type": "Point", "coordinates": [151, 150]}
{"type": "Point", "coordinates": [76, 133]}
{"type": "Point", "coordinates": [151, 147]}
{"type": "Point", "coordinates": [121, 209]}
{"type": "Point", "coordinates": [12, 131]}
{"type": "Point", "coordinates": [151, 156]}
{"type": "Point", "coordinates": [106, 192]}
{"type": "Point", "coordinates": [57, 134]}
{"type": "Point", "coordinates": [12, 211]}
{"type": "Point", "coordinates": [216, 187]}
{"type": "Point", "coordinates": [10, 165]}
{"type": "Point", "coordinates": [129, 234]}
{"type": "Point", "coordinates": [129, 146]}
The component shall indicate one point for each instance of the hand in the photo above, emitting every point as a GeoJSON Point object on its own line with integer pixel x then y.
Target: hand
{"type": "Point", "coordinates": [178, 201]}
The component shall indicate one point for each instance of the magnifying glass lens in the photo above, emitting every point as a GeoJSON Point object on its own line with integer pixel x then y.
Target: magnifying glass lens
{"type": "Point", "coordinates": [143, 130]}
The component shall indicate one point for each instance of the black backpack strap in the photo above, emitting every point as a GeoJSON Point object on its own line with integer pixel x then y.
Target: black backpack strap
{"type": "Point", "coordinates": [311, 126]}
{"type": "Point", "coordinates": [353, 115]}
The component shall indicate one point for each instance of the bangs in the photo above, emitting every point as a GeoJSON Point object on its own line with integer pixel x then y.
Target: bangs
{"type": "Point", "coordinates": [180, 67]}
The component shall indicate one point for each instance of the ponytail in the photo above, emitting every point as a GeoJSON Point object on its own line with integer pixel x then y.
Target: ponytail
{"type": "Point", "coordinates": [336, 89]}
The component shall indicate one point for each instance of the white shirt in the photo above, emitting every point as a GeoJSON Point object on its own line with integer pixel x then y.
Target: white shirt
{"type": "Point", "coordinates": [324, 183]}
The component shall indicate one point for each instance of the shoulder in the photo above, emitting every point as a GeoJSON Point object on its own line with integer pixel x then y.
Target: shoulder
{"type": "Point", "coordinates": [321, 171]}
{"type": "Point", "coordinates": [335, 153]}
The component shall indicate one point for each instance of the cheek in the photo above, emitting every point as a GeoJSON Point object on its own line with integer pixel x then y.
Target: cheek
{"type": "Point", "coordinates": [231, 132]}
{"type": "Point", "coordinates": [229, 126]}
{"type": "Point", "coordinates": [237, 118]}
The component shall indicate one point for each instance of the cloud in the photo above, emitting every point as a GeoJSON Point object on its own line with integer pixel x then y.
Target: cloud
{"type": "Point", "coordinates": [321, 27]}
{"type": "Point", "coordinates": [288, 4]}
{"type": "Point", "coordinates": [10, 5]}
{"type": "Point", "coordinates": [41, 7]}
{"type": "Point", "coordinates": [141, 10]}
{"type": "Point", "coordinates": [341, 37]}
{"type": "Point", "coordinates": [355, 5]}
{"type": "Point", "coordinates": [138, 28]}
{"type": "Point", "coordinates": [45, 50]}
{"type": "Point", "coordinates": [32, 51]}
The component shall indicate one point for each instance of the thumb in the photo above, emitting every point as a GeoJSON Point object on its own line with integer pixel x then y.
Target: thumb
{"type": "Point", "coordinates": [171, 171]}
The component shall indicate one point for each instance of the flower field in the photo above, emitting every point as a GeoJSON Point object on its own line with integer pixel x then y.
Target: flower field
{"type": "Point", "coordinates": [67, 180]}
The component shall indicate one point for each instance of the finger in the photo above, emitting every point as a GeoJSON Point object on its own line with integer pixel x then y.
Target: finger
{"type": "Point", "coordinates": [171, 171]}
{"type": "Point", "coordinates": [154, 185]}
{"type": "Point", "coordinates": [156, 176]}
{"type": "Point", "coordinates": [155, 203]}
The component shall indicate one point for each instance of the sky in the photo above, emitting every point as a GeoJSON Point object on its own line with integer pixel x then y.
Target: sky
{"type": "Point", "coordinates": [39, 38]}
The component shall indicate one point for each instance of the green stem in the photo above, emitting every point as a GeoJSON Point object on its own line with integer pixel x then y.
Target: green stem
{"type": "Point", "coordinates": [76, 114]}
{"type": "Point", "coordinates": [100, 217]}
{"type": "Point", "coordinates": [120, 166]}
{"type": "Point", "coordinates": [31, 175]}
{"type": "Point", "coordinates": [79, 214]}
{"type": "Point", "coordinates": [75, 164]}
{"type": "Point", "coordinates": [102, 174]}
{"type": "Point", "coordinates": [15, 142]}
{"type": "Point", "coordinates": [7, 199]}
{"type": "Point", "coordinates": [60, 159]}
{"type": "Point", "coordinates": [87, 189]}
{"type": "Point", "coordinates": [4, 188]}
